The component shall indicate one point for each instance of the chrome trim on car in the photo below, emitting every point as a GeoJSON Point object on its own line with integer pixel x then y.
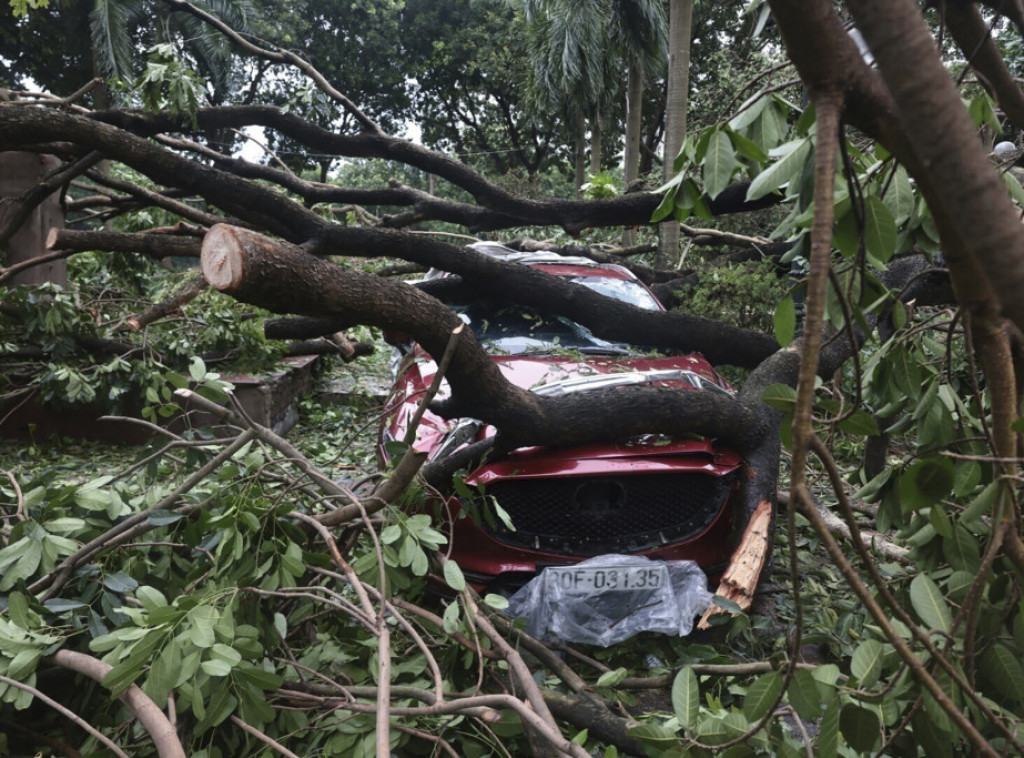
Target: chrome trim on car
{"type": "Point", "coordinates": [588, 383]}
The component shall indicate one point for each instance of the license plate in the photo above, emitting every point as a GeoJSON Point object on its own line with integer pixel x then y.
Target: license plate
{"type": "Point", "coordinates": [587, 580]}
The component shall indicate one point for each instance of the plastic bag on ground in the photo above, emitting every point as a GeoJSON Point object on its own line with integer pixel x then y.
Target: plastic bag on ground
{"type": "Point", "coordinates": [609, 598]}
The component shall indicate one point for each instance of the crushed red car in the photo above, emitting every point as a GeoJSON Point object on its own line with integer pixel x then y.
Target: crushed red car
{"type": "Point", "coordinates": [666, 498]}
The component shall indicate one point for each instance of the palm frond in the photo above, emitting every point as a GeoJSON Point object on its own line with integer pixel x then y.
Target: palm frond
{"type": "Point", "coordinates": [111, 37]}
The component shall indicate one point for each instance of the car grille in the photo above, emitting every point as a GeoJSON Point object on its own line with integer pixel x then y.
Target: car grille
{"type": "Point", "coordinates": [593, 515]}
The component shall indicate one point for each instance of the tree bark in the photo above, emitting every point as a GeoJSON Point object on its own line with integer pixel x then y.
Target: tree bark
{"type": "Point", "coordinates": [146, 711]}
{"type": "Point", "coordinates": [679, 34]}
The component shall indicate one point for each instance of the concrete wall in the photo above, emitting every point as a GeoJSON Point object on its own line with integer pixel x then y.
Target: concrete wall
{"type": "Point", "coordinates": [18, 173]}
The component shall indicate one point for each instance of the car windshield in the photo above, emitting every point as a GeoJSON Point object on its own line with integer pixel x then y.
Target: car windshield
{"type": "Point", "coordinates": [515, 329]}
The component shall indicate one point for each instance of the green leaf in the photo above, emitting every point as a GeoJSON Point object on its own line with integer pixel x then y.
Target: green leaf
{"type": "Point", "coordinates": [496, 601]}
{"type": "Point", "coordinates": [163, 518]}
{"type": "Point", "coordinates": [900, 197]}
{"type": "Point", "coordinates": [719, 163]}
{"type": "Point", "coordinates": [961, 550]}
{"type": "Point", "coordinates": [804, 696]}
{"type": "Point", "coordinates": [968, 477]}
{"type": "Point", "coordinates": [612, 678]}
{"type": "Point", "coordinates": [827, 743]}
{"type": "Point", "coordinates": [450, 619]}
{"type": "Point", "coordinates": [197, 368]}
{"type": "Point", "coordinates": [782, 171]}
{"type": "Point", "coordinates": [749, 112]}
{"type": "Point", "coordinates": [226, 653]}
{"type": "Point", "coordinates": [420, 565]}
{"type": "Point", "coordinates": [928, 735]}
{"type": "Point", "coordinates": [879, 231]}
{"type": "Point", "coordinates": [163, 674]}
{"type": "Point", "coordinates": [1003, 671]}
{"type": "Point", "coordinates": [982, 504]}
{"type": "Point", "coordinates": [61, 605]}
{"type": "Point", "coordinates": [784, 321]}
{"type": "Point", "coordinates": [150, 597]}
{"type": "Point", "coordinates": [925, 482]}
{"type": "Point", "coordinates": [281, 625]}
{"type": "Point", "coordinates": [762, 695]}
{"type": "Point", "coordinates": [216, 667]}
{"type": "Point", "coordinates": [668, 203]}
{"type": "Point", "coordinates": [686, 697]}
{"type": "Point", "coordinates": [866, 663]}
{"type": "Point", "coordinates": [940, 520]}
{"type": "Point", "coordinates": [655, 735]}
{"type": "Point", "coordinates": [861, 423]}
{"type": "Point", "coordinates": [929, 604]}
{"type": "Point", "coordinates": [17, 609]}
{"type": "Point", "coordinates": [265, 680]}
{"type": "Point", "coordinates": [24, 663]}
{"type": "Point", "coordinates": [1014, 187]}
{"type": "Point", "coordinates": [861, 727]}
{"type": "Point", "coordinates": [747, 148]}
{"type": "Point", "coordinates": [782, 397]}
{"type": "Point", "coordinates": [957, 585]}
{"type": "Point", "coordinates": [453, 576]}
{"type": "Point", "coordinates": [120, 583]}
{"type": "Point", "coordinates": [92, 499]}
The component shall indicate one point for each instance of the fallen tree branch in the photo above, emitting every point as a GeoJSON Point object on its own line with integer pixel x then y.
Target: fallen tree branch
{"type": "Point", "coordinates": [185, 293]}
{"type": "Point", "coordinates": [873, 541]}
{"type": "Point", "coordinates": [145, 243]}
{"type": "Point", "coordinates": [152, 719]}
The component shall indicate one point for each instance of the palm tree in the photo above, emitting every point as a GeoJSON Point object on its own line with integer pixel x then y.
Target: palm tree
{"type": "Point", "coordinates": [115, 50]}
{"type": "Point", "coordinates": [577, 49]}
{"type": "Point", "coordinates": [680, 33]}
{"type": "Point", "coordinates": [641, 29]}
{"type": "Point", "coordinates": [566, 46]}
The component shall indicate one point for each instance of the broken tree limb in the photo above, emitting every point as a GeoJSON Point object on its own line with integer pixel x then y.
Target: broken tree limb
{"type": "Point", "coordinates": [873, 541]}
{"type": "Point", "coordinates": [740, 578]}
{"type": "Point", "coordinates": [152, 719]}
{"type": "Point", "coordinates": [153, 245]}
{"type": "Point", "coordinates": [186, 292]}
{"type": "Point", "coordinates": [300, 328]}
{"type": "Point", "coordinates": [347, 352]}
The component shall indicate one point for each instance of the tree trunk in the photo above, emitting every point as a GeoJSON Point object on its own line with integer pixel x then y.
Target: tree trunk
{"type": "Point", "coordinates": [596, 152]}
{"type": "Point", "coordinates": [581, 152]}
{"type": "Point", "coordinates": [680, 30]}
{"type": "Point", "coordinates": [631, 155]}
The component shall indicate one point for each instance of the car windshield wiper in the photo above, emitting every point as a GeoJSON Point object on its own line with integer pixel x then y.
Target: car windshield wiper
{"type": "Point", "coordinates": [603, 350]}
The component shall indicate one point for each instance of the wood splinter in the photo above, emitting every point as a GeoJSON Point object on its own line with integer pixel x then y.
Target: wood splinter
{"type": "Point", "coordinates": [741, 577]}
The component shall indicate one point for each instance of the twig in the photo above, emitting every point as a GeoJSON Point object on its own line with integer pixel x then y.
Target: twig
{"type": "Point", "coordinates": [19, 512]}
{"type": "Point", "coordinates": [524, 677]}
{"type": "Point", "coordinates": [53, 581]}
{"type": "Point", "coordinates": [265, 739]}
{"type": "Point", "coordinates": [194, 285]}
{"type": "Point", "coordinates": [280, 56]}
{"type": "Point", "coordinates": [728, 238]}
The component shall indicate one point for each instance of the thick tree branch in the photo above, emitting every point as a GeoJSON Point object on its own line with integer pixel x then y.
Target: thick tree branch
{"type": "Point", "coordinates": [152, 719]}
{"type": "Point", "coordinates": [973, 199]}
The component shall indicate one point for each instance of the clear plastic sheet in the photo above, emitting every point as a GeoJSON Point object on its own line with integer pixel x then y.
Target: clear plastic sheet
{"type": "Point", "coordinates": [609, 598]}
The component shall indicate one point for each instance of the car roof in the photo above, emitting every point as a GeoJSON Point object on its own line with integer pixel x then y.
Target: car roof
{"type": "Point", "coordinates": [553, 263]}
